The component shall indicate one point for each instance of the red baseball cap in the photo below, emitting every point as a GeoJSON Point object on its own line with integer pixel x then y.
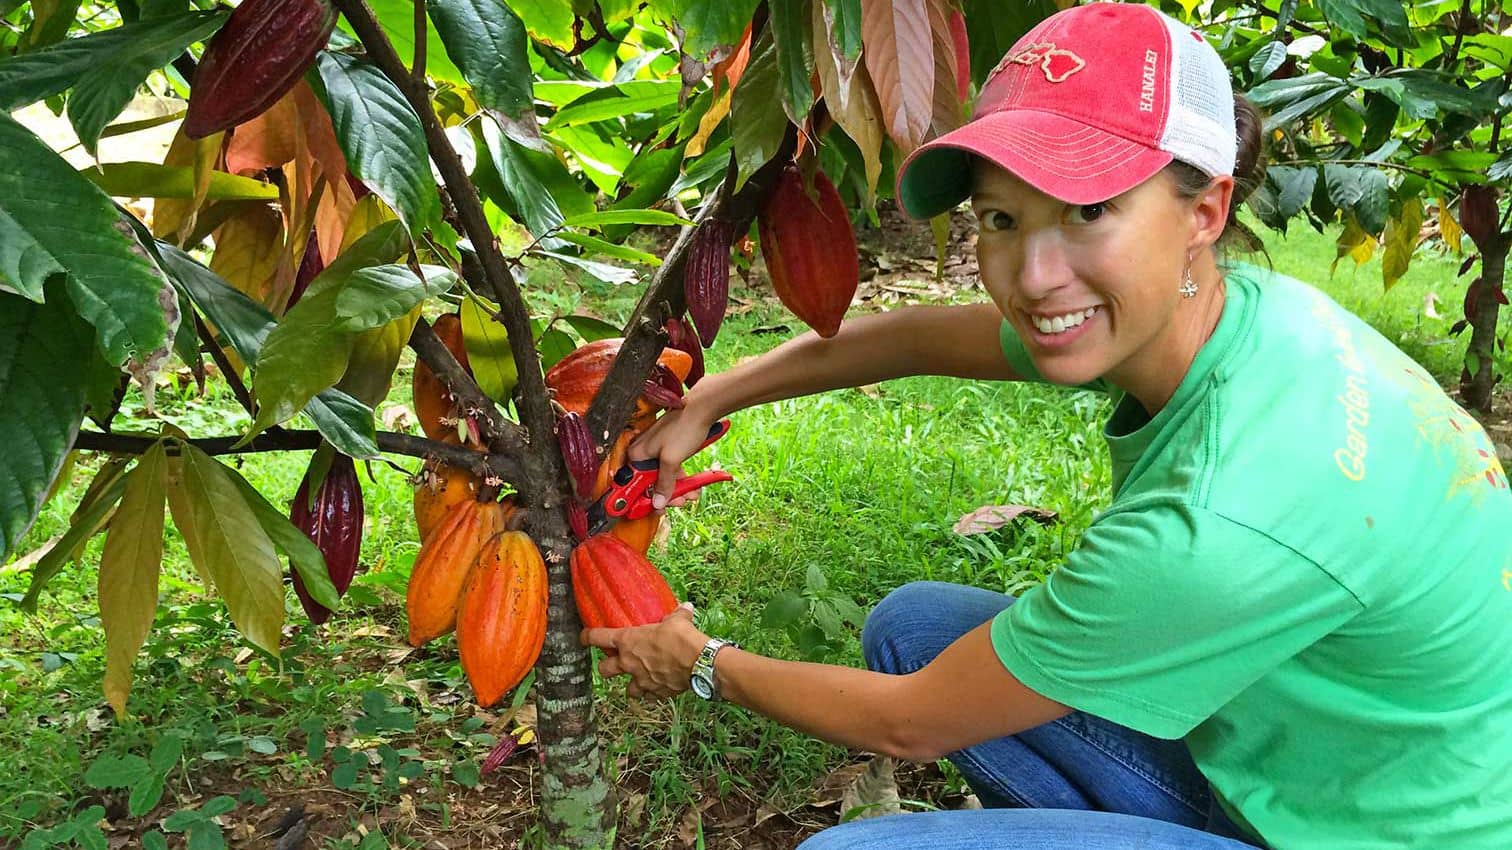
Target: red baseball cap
{"type": "Point", "coordinates": [1089, 104]}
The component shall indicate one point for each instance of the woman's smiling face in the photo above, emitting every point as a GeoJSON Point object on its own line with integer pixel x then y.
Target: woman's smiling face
{"type": "Point", "coordinates": [1087, 287]}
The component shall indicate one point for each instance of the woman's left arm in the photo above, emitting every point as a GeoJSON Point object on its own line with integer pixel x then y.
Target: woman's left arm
{"type": "Point", "coordinates": [963, 697]}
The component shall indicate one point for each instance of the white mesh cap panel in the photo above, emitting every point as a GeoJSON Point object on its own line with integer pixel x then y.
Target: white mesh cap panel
{"type": "Point", "coordinates": [1200, 127]}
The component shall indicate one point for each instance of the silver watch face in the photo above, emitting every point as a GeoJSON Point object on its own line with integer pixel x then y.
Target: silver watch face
{"type": "Point", "coordinates": [701, 685]}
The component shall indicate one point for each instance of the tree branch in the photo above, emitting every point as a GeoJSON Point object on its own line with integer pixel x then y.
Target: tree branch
{"type": "Point", "coordinates": [228, 371]}
{"type": "Point", "coordinates": [504, 436]}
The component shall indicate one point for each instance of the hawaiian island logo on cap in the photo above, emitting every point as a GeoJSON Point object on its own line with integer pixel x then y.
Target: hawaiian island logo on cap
{"type": "Point", "coordinates": [1056, 64]}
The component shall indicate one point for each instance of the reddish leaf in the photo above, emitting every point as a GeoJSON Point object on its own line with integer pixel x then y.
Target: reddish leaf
{"type": "Point", "coordinates": [851, 99]}
{"type": "Point", "coordinates": [948, 102]}
{"type": "Point", "coordinates": [266, 141]}
{"type": "Point", "coordinates": [899, 54]}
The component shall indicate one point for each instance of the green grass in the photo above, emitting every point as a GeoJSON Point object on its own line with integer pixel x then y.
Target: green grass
{"type": "Point", "coordinates": [838, 499]}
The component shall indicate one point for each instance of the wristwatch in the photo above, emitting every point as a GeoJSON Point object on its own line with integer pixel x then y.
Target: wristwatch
{"type": "Point", "coordinates": [702, 680]}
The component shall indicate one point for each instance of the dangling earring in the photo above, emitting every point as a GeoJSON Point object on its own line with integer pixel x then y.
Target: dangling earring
{"type": "Point", "coordinates": [1188, 286]}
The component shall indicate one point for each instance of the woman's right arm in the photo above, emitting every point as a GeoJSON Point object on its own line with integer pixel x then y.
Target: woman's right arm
{"type": "Point", "coordinates": [958, 341]}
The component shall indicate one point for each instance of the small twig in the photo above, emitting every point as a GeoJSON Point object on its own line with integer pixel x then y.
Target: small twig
{"type": "Point", "coordinates": [1379, 164]}
{"type": "Point", "coordinates": [420, 32]}
{"type": "Point", "coordinates": [229, 372]}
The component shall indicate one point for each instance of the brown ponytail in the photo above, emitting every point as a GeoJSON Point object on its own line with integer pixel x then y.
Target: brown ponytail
{"type": "Point", "coordinates": [1249, 173]}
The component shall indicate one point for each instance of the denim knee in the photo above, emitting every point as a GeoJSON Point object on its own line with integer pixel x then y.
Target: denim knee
{"type": "Point", "coordinates": [886, 620]}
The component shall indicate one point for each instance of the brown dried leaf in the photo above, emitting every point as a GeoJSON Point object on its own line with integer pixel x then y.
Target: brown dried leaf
{"type": "Point", "coordinates": [874, 793]}
{"type": "Point", "coordinates": [992, 517]}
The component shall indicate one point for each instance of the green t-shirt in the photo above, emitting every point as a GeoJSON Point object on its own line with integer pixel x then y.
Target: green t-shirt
{"type": "Point", "coordinates": [1306, 573]}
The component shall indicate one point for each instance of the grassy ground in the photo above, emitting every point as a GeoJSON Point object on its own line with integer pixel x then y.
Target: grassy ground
{"type": "Point", "coordinates": [839, 498]}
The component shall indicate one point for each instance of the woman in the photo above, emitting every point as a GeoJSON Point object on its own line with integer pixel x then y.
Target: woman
{"type": "Point", "coordinates": [1291, 628]}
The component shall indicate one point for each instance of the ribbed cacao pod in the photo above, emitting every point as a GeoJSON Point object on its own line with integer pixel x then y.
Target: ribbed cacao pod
{"type": "Point", "coordinates": [1478, 216]}
{"type": "Point", "coordinates": [441, 488]}
{"type": "Point", "coordinates": [706, 278]}
{"type": "Point", "coordinates": [638, 534]}
{"type": "Point", "coordinates": [577, 451]}
{"type": "Point", "coordinates": [264, 48]}
{"type": "Point", "coordinates": [334, 522]}
{"type": "Point", "coordinates": [432, 401]}
{"type": "Point", "coordinates": [617, 456]}
{"type": "Point", "coordinates": [577, 519]}
{"type": "Point", "coordinates": [310, 267]}
{"type": "Point", "coordinates": [810, 250]}
{"type": "Point", "coordinates": [576, 378]}
{"type": "Point", "coordinates": [442, 566]}
{"type": "Point", "coordinates": [616, 587]}
{"type": "Point", "coordinates": [501, 615]}
{"type": "Point", "coordinates": [680, 336]}
{"type": "Point", "coordinates": [663, 389]}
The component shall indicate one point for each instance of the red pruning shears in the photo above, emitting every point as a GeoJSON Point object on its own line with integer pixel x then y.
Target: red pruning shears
{"type": "Point", "coordinates": [629, 495]}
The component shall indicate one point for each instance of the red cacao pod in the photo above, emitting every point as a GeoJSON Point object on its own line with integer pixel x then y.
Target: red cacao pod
{"type": "Point", "coordinates": [681, 337]}
{"type": "Point", "coordinates": [264, 48]}
{"type": "Point", "coordinates": [440, 489]}
{"type": "Point", "coordinates": [1478, 215]}
{"type": "Point", "coordinates": [616, 587]}
{"type": "Point", "coordinates": [810, 251]}
{"type": "Point", "coordinates": [310, 267]}
{"type": "Point", "coordinates": [501, 615]}
{"type": "Point", "coordinates": [663, 389]}
{"type": "Point", "coordinates": [442, 566]}
{"type": "Point", "coordinates": [577, 519]}
{"type": "Point", "coordinates": [706, 278]}
{"type": "Point", "coordinates": [577, 451]}
{"type": "Point", "coordinates": [432, 401]}
{"type": "Point", "coordinates": [333, 520]}
{"type": "Point", "coordinates": [638, 534]}
{"type": "Point", "coordinates": [576, 378]}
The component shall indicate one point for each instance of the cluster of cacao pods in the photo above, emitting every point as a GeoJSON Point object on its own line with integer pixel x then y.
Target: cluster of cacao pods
{"type": "Point", "coordinates": [332, 517]}
{"type": "Point", "coordinates": [810, 250]}
{"type": "Point", "coordinates": [264, 48]}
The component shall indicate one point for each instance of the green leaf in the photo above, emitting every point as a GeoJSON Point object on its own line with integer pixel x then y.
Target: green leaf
{"type": "Point", "coordinates": [1346, 15]}
{"type": "Point", "coordinates": [295, 545]}
{"type": "Point", "coordinates": [306, 353]}
{"type": "Point", "coordinates": [166, 753]}
{"type": "Point", "coordinates": [385, 243]}
{"type": "Point", "coordinates": [1345, 187]}
{"type": "Point", "coordinates": [1371, 209]}
{"type": "Point", "coordinates": [54, 221]}
{"type": "Point", "coordinates": [706, 24]}
{"type": "Point", "coordinates": [609, 249]}
{"type": "Point", "coordinates": [217, 806]}
{"type": "Point", "coordinates": [380, 135]}
{"type": "Point", "coordinates": [465, 773]}
{"type": "Point", "coordinates": [244, 323]}
{"type": "Point", "coordinates": [97, 505]}
{"type": "Point", "coordinates": [182, 820]}
{"type": "Point", "coordinates": [606, 217]}
{"type": "Point", "coordinates": [36, 76]}
{"type": "Point", "coordinates": [602, 271]}
{"type": "Point", "coordinates": [1267, 59]}
{"type": "Point", "coordinates": [154, 840]}
{"type": "Point", "coordinates": [845, 26]}
{"type": "Point", "coordinates": [488, 351]}
{"type": "Point", "coordinates": [128, 580]}
{"type": "Point", "coordinates": [489, 44]}
{"type": "Point", "coordinates": [226, 543]}
{"type": "Point", "coordinates": [398, 20]}
{"type": "Point", "coordinates": [756, 117]}
{"type": "Point", "coordinates": [792, 32]}
{"type": "Point", "coordinates": [347, 424]}
{"type": "Point", "coordinates": [314, 729]}
{"type": "Point", "coordinates": [590, 328]}
{"type": "Point", "coordinates": [41, 404]}
{"type": "Point", "coordinates": [828, 619]}
{"type": "Point", "coordinates": [374, 296]}
{"type": "Point", "coordinates": [117, 771]}
{"type": "Point", "coordinates": [151, 180]}
{"type": "Point", "coordinates": [553, 346]}
{"type": "Point", "coordinates": [103, 90]}
{"type": "Point", "coordinates": [1456, 166]}
{"type": "Point", "coordinates": [1294, 187]}
{"type": "Point", "coordinates": [615, 102]}
{"type": "Point", "coordinates": [533, 187]}
{"type": "Point", "coordinates": [51, 20]}
{"type": "Point", "coordinates": [145, 795]}
{"type": "Point", "coordinates": [548, 20]}
{"type": "Point", "coordinates": [1501, 169]}
{"type": "Point", "coordinates": [345, 775]}
{"type": "Point", "coordinates": [815, 580]}
{"type": "Point", "coordinates": [993, 26]}
{"type": "Point", "coordinates": [785, 609]}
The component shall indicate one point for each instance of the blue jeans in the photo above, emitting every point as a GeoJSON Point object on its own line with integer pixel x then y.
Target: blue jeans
{"type": "Point", "coordinates": [1078, 782]}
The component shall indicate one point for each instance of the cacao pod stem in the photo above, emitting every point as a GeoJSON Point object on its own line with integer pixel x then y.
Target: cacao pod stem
{"type": "Point", "coordinates": [681, 337]}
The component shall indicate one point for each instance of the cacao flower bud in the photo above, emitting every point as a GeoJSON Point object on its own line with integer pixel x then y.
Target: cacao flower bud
{"type": "Point", "coordinates": [680, 337]}
{"type": "Point", "coordinates": [310, 267]}
{"type": "Point", "coordinates": [1478, 215]}
{"type": "Point", "coordinates": [334, 523]}
{"type": "Point", "coordinates": [706, 277]}
{"type": "Point", "coordinates": [810, 250]}
{"type": "Point", "coordinates": [577, 451]}
{"type": "Point", "coordinates": [264, 48]}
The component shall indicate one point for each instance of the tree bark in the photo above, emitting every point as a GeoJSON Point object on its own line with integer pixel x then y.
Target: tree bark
{"type": "Point", "coordinates": [1476, 392]}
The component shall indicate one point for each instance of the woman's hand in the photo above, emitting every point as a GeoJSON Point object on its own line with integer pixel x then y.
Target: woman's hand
{"type": "Point", "coordinates": [658, 658]}
{"type": "Point", "coordinates": [673, 438]}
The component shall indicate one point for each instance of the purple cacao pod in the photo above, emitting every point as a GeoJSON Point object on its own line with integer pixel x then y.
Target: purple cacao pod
{"type": "Point", "coordinates": [680, 335]}
{"type": "Point", "coordinates": [706, 277]}
{"type": "Point", "coordinates": [1478, 215]}
{"type": "Point", "coordinates": [577, 520]}
{"type": "Point", "coordinates": [334, 522]}
{"type": "Point", "coordinates": [577, 451]}
{"type": "Point", "coordinates": [663, 389]}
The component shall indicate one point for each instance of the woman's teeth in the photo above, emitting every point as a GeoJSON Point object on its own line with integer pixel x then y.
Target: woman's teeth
{"type": "Point", "coordinates": [1060, 324]}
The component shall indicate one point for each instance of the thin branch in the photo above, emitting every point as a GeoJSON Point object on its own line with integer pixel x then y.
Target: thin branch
{"type": "Point", "coordinates": [420, 32]}
{"type": "Point", "coordinates": [218, 354]}
{"type": "Point", "coordinates": [1377, 163]}
{"type": "Point", "coordinates": [505, 435]}
{"type": "Point", "coordinates": [479, 464]}
{"type": "Point", "coordinates": [1459, 36]}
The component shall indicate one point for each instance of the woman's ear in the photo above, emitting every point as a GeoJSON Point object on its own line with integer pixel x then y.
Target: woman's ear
{"type": "Point", "coordinates": [1210, 212]}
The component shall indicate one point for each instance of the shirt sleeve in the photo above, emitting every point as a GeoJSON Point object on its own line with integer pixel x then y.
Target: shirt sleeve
{"type": "Point", "coordinates": [1023, 366]}
{"type": "Point", "coordinates": [1162, 614]}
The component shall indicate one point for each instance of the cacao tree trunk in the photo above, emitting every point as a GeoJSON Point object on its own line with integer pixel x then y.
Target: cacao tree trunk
{"type": "Point", "coordinates": [1475, 391]}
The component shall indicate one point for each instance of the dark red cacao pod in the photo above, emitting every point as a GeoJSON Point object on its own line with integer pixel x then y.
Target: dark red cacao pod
{"type": "Point", "coordinates": [577, 520]}
{"type": "Point", "coordinates": [616, 587]}
{"type": "Point", "coordinates": [1478, 215]}
{"type": "Point", "coordinates": [681, 336]}
{"type": "Point", "coordinates": [706, 277]}
{"type": "Point", "coordinates": [663, 389]}
{"type": "Point", "coordinates": [261, 52]}
{"type": "Point", "coordinates": [310, 267]}
{"type": "Point", "coordinates": [577, 451]}
{"type": "Point", "coordinates": [810, 251]}
{"type": "Point", "coordinates": [334, 522]}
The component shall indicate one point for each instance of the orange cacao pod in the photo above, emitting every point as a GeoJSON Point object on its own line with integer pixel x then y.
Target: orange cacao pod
{"type": "Point", "coordinates": [442, 566]}
{"type": "Point", "coordinates": [441, 488]}
{"type": "Point", "coordinates": [810, 251]}
{"type": "Point", "coordinates": [616, 457]}
{"type": "Point", "coordinates": [501, 615]}
{"type": "Point", "coordinates": [576, 378]}
{"type": "Point", "coordinates": [334, 522]}
{"type": "Point", "coordinates": [432, 402]}
{"type": "Point", "coordinates": [264, 48]}
{"type": "Point", "coordinates": [616, 587]}
{"type": "Point", "coordinates": [706, 278]}
{"type": "Point", "coordinates": [638, 534]}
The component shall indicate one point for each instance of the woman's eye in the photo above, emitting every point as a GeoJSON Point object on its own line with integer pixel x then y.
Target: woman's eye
{"type": "Point", "coordinates": [1087, 213]}
{"type": "Point", "coordinates": [996, 220]}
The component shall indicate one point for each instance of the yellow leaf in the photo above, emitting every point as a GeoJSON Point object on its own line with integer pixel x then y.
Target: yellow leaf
{"type": "Point", "coordinates": [128, 582]}
{"type": "Point", "coordinates": [488, 351]}
{"type": "Point", "coordinates": [227, 544]}
{"type": "Point", "coordinates": [247, 252]}
{"type": "Point", "coordinates": [1353, 242]}
{"type": "Point", "coordinates": [375, 354]}
{"type": "Point", "coordinates": [853, 105]}
{"type": "Point", "coordinates": [173, 218]}
{"type": "Point", "coordinates": [1449, 229]}
{"type": "Point", "coordinates": [706, 125]}
{"type": "Point", "coordinates": [369, 212]}
{"type": "Point", "coordinates": [1401, 239]}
